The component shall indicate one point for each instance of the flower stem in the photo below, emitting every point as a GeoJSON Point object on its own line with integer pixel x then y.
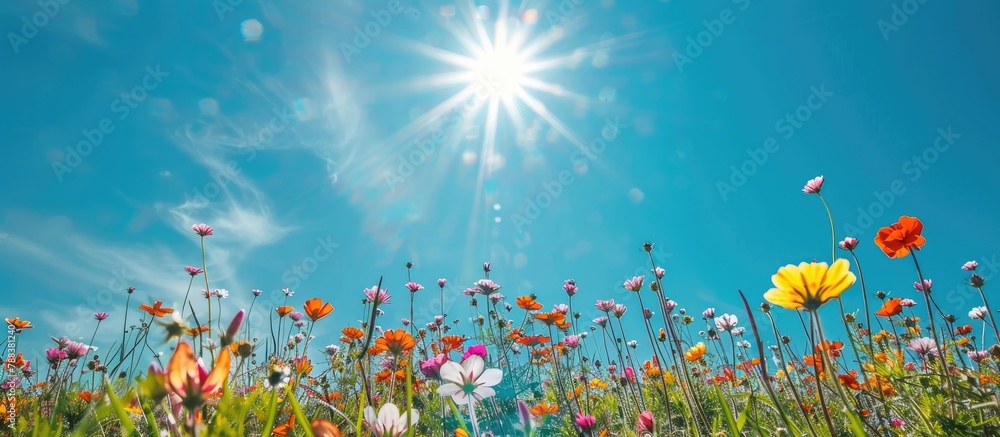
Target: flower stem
{"type": "Point", "coordinates": [833, 231]}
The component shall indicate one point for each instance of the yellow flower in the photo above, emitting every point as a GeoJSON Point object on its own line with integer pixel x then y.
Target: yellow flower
{"type": "Point", "coordinates": [809, 285]}
{"type": "Point", "coordinates": [696, 352]}
{"type": "Point", "coordinates": [597, 383]}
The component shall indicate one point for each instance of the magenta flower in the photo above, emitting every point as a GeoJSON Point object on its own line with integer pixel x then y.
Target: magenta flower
{"type": "Point", "coordinates": [496, 298]}
{"type": "Point", "coordinates": [646, 423]}
{"type": "Point", "coordinates": [970, 266]}
{"type": "Point", "coordinates": [76, 350]}
{"type": "Point", "coordinates": [55, 356]}
{"type": "Point", "coordinates": [442, 282]}
{"type": "Point", "coordinates": [432, 367]}
{"type": "Point", "coordinates": [629, 374]}
{"type": "Point", "coordinates": [560, 308]}
{"type": "Point", "coordinates": [296, 316]}
{"type": "Point", "coordinates": [634, 284]}
{"type": "Point", "coordinates": [924, 287]}
{"type": "Point", "coordinates": [659, 272]}
{"type": "Point", "coordinates": [849, 243]}
{"type": "Point", "coordinates": [477, 349]}
{"type": "Point", "coordinates": [414, 287]}
{"type": "Point", "coordinates": [709, 313]}
{"type": "Point", "coordinates": [648, 314]}
{"type": "Point", "coordinates": [569, 286]}
{"type": "Point", "coordinates": [193, 271]}
{"type": "Point", "coordinates": [585, 422]}
{"type": "Point", "coordinates": [202, 229]}
{"type": "Point", "coordinates": [605, 305]}
{"type": "Point", "coordinates": [378, 296]}
{"type": "Point", "coordinates": [100, 315]}
{"type": "Point", "coordinates": [601, 321]}
{"type": "Point", "coordinates": [669, 305]}
{"type": "Point", "coordinates": [619, 310]}
{"type": "Point", "coordinates": [813, 186]}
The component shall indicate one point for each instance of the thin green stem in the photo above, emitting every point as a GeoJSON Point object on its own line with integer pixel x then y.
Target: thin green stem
{"type": "Point", "coordinates": [833, 230]}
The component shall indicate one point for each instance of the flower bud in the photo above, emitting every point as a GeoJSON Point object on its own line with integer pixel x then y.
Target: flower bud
{"type": "Point", "coordinates": [880, 294]}
{"type": "Point", "coordinates": [765, 307]}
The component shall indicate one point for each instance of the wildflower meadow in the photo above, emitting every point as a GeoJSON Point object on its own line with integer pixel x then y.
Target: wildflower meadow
{"type": "Point", "coordinates": [518, 365]}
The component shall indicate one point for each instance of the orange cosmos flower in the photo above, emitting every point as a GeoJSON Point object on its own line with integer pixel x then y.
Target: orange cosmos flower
{"type": "Point", "coordinates": [962, 330]}
{"type": "Point", "coordinates": [284, 310]}
{"type": "Point", "coordinates": [316, 309]}
{"type": "Point", "coordinates": [396, 341]}
{"type": "Point", "coordinates": [890, 308]}
{"type": "Point", "coordinates": [198, 330]}
{"type": "Point", "coordinates": [696, 352]}
{"type": "Point", "coordinates": [897, 239]}
{"type": "Point", "coordinates": [17, 323]}
{"type": "Point", "coordinates": [533, 340]}
{"type": "Point", "coordinates": [814, 361]}
{"type": "Point", "coordinates": [850, 380]}
{"type": "Point", "coordinates": [86, 395]}
{"type": "Point", "coordinates": [552, 318]}
{"type": "Point", "coordinates": [528, 303]}
{"type": "Point", "coordinates": [284, 429]}
{"type": "Point", "coordinates": [452, 342]}
{"type": "Point", "coordinates": [833, 348]}
{"type": "Point", "coordinates": [188, 378]}
{"type": "Point", "coordinates": [544, 409]}
{"type": "Point", "coordinates": [157, 310]}
{"type": "Point", "coordinates": [15, 362]}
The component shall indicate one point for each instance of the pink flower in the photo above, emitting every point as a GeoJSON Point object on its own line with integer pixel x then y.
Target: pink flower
{"type": "Point", "coordinates": [923, 346]}
{"type": "Point", "coordinates": [897, 422]}
{"type": "Point", "coordinates": [709, 313]}
{"type": "Point", "coordinates": [441, 282]}
{"type": "Point", "coordinates": [193, 271]}
{"type": "Point", "coordinates": [432, 367]}
{"type": "Point", "coordinates": [970, 266]}
{"type": "Point", "coordinates": [256, 292]}
{"type": "Point", "coordinates": [477, 349]}
{"type": "Point", "coordinates": [634, 284]}
{"type": "Point", "coordinates": [924, 287]}
{"type": "Point", "coordinates": [378, 296]}
{"type": "Point", "coordinates": [909, 303]}
{"type": "Point", "coordinates": [100, 315]}
{"type": "Point", "coordinates": [669, 305]}
{"type": "Point", "coordinates": [813, 186]}
{"type": "Point", "coordinates": [570, 287]}
{"type": "Point", "coordinates": [619, 310]}
{"type": "Point", "coordinates": [659, 272]}
{"type": "Point", "coordinates": [561, 308]}
{"type": "Point", "coordinates": [849, 243]}
{"type": "Point", "coordinates": [629, 374]}
{"type": "Point", "coordinates": [572, 340]}
{"type": "Point", "coordinates": [605, 305]}
{"type": "Point", "coordinates": [202, 229]}
{"type": "Point", "coordinates": [585, 422]}
{"type": "Point", "coordinates": [646, 423]}
{"type": "Point", "coordinates": [601, 321]}
{"type": "Point", "coordinates": [414, 287]}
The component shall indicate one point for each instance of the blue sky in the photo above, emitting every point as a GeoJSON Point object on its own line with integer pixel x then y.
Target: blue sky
{"type": "Point", "coordinates": [297, 140]}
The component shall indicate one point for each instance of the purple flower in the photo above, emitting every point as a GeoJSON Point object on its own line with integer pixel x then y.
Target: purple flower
{"type": "Point", "coordinates": [55, 356]}
{"type": "Point", "coordinates": [432, 367]}
{"type": "Point", "coordinates": [100, 315]}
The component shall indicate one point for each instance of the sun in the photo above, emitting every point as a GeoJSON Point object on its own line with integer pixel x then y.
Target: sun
{"type": "Point", "coordinates": [501, 70]}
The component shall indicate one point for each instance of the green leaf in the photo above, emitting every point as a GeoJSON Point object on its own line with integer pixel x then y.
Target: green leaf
{"type": "Point", "coordinates": [727, 413]}
{"type": "Point", "coordinates": [299, 415]}
{"type": "Point", "coordinates": [128, 428]}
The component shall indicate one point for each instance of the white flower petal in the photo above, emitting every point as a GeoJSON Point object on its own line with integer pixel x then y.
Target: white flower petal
{"type": "Point", "coordinates": [459, 397]}
{"type": "Point", "coordinates": [484, 392]}
{"type": "Point", "coordinates": [448, 389]}
{"type": "Point", "coordinates": [490, 377]}
{"type": "Point", "coordinates": [473, 367]}
{"type": "Point", "coordinates": [452, 372]}
{"type": "Point", "coordinates": [388, 415]}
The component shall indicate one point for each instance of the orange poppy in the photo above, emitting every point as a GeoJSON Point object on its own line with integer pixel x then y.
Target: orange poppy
{"type": "Point", "coordinates": [833, 348]}
{"type": "Point", "coordinates": [157, 310]}
{"type": "Point", "coordinates": [552, 318]}
{"type": "Point", "coordinates": [528, 303]}
{"type": "Point", "coordinates": [544, 409]}
{"type": "Point", "coordinates": [395, 341]}
{"type": "Point", "coordinates": [351, 333]}
{"type": "Point", "coordinates": [890, 308]}
{"type": "Point", "coordinates": [814, 361]}
{"type": "Point", "coordinates": [17, 323]}
{"type": "Point", "coordinates": [284, 310]}
{"type": "Point", "coordinates": [897, 239]}
{"type": "Point", "coordinates": [316, 309]}
{"type": "Point", "coordinates": [87, 396]}
{"type": "Point", "coordinates": [452, 342]}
